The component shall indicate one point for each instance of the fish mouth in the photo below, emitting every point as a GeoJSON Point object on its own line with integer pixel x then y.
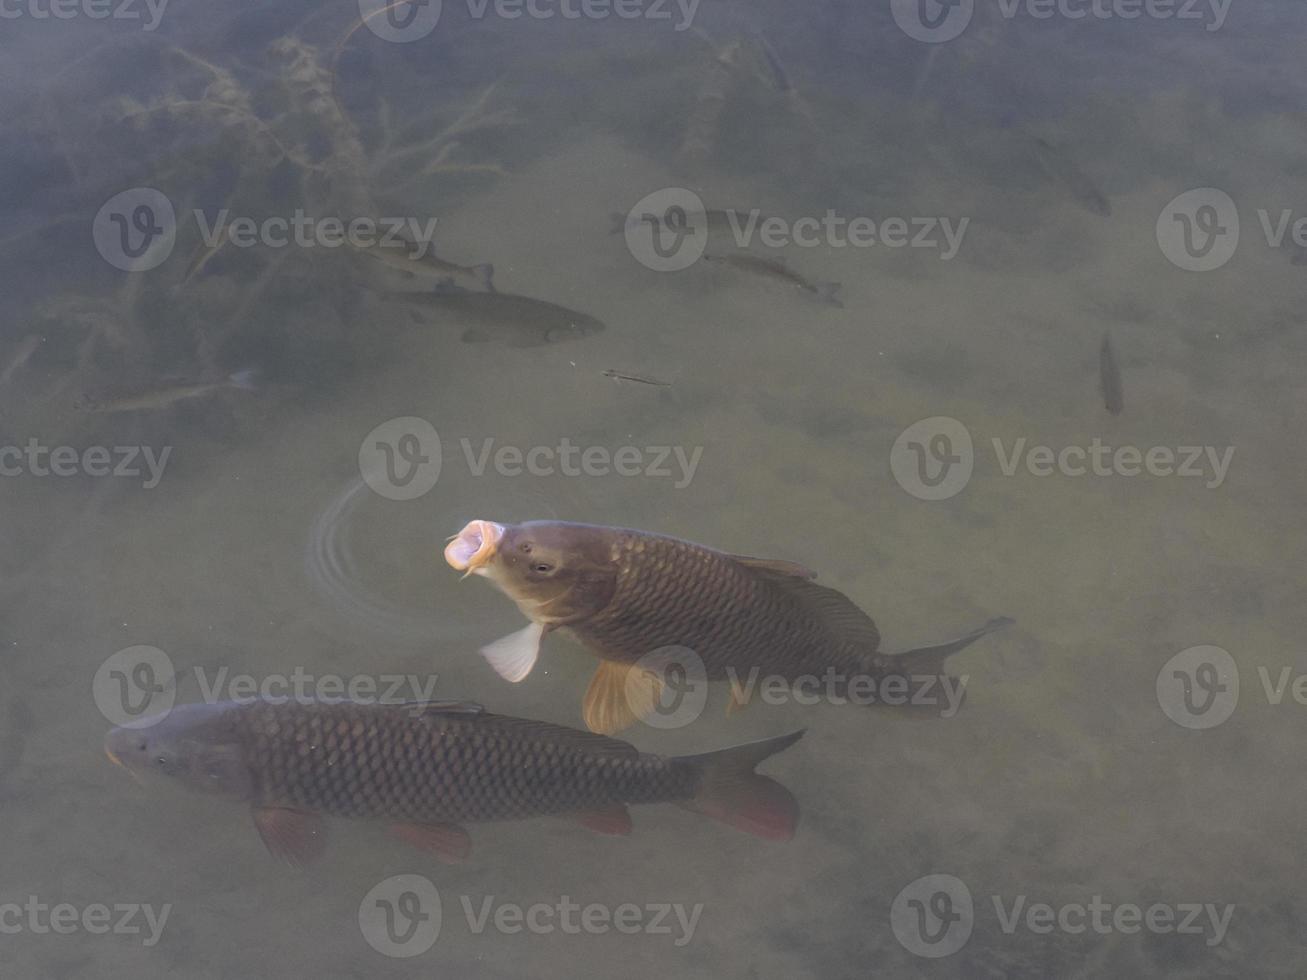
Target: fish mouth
{"type": "Point", "coordinates": [474, 547]}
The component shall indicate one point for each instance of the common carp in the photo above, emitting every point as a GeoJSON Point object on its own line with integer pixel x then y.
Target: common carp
{"type": "Point", "coordinates": [626, 594]}
{"type": "Point", "coordinates": [428, 767]}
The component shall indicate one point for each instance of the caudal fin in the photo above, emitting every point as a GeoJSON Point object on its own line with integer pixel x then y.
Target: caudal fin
{"type": "Point", "coordinates": [927, 661]}
{"type": "Point", "coordinates": [829, 292]}
{"type": "Point", "coordinates": [730, 791]}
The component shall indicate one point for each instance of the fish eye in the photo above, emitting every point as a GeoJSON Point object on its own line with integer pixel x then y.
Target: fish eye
{"type": "Point", "coordinates": [525, 547]}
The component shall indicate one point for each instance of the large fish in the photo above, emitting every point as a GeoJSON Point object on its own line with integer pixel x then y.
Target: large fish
{"type": "Point", "coordinates": [428, 767]}
{"type": "Point", "coordinates": [625, 594]}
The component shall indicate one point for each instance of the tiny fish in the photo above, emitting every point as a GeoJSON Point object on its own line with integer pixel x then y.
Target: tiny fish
{"type": "Point", "coordinates": [506, 319]}
{"type": "Point", "coordinates": [715, 221]}
{"type": "Point", "coordinates": [638, 378]}
{"type": "Point", "coordinates": [624, 593]}
{"type": "Point", "coordinates": [1109, 377]}
{"type": "Point", "coordinates": [22, 354]}
{"type": "Point", "coordinates": [827, 292]}
{"type": "Point", "coordinates": [428, 767]}
{"type": "Point", "coordinates": [165, 396]}
{"type": "Point", "coordinates": [1061, 167]}
{"type": "Point", "coordinates": [406, 256]}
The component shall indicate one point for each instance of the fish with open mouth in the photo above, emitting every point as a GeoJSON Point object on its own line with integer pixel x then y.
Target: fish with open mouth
{"type": "Point", "coordinates": [626, 593]}
{"type": "Point", "coordinates": [506, 319]}
{"type": "Point", "coordinates": [428, 767]}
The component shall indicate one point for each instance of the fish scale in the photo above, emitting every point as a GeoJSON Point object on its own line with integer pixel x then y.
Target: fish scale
{"type": "Point", "coordinates": [434, 767]}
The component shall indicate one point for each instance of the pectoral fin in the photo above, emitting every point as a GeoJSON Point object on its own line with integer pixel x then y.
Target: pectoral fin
{"type": "Point", "coordinates": [515, 655]}
{"type": "Point", "coordinates": [295, 836]}
{"type": "Point", "coordinates": [618, 695]}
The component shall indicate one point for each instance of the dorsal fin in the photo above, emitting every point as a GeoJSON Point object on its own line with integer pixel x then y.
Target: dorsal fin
{"type": "Point", "coordinates": [777, 565]}
{"type": "Point", "coordinates": [835, 610]}
{"type": "Point", "coordinates": [419, 708]}
{"type": "Point", "coordinates": [570, 738]}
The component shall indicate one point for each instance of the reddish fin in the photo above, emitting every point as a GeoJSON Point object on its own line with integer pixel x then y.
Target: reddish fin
{"type": "Point", "coordinates": [614, 821]}
{"type": "Point", "coordinates": [730, 791]}
{"type": "Point", "coordinates": [295, 836]}
{"type": "Point", "coordinates": [447, 841]}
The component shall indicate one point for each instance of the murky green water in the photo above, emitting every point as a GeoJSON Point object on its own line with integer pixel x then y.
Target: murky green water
{"type": "Point", "coordinates": [937, 447]}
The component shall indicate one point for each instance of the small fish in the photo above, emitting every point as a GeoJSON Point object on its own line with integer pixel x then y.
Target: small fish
{"type": "Point", "coordinates": [428, 767]}
{"type": "Point", "coordinates": [638, 378]}
{"type": "Point", "coordinates": [1060, 166]}
{"type": "Point", "coordinates": [506, 319]}
{"type": "Point", "coordinates": [163, 397]}
{"type": "Point", "coordinates": [22, 354]}
{"type": "Point", "coordinates": [411, 259]}
{"type": "Point", "coordinates": [1109, 377]}
{"type": "Point", "coordinates": [625, 593]}
{"type": "Point", "coordinates": [714, 221]}
{"type": "Point", "coordinates": [827, 292]}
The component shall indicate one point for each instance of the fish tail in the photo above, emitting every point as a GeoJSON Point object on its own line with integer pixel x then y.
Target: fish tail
{"type": "Point", "coordinates": [829, 292]}
{"type": "Point", "coordinates": [486, 272]}
{"type": "Point", "coordinates": [245, 379]}
{"type": "Point", "coordinates": [730, 791]}
{"type": "Point", "coordinates": [929, 661]}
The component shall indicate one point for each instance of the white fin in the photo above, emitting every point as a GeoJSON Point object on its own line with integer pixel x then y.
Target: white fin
{"type": "Point", "coordinates": [515, 654]}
